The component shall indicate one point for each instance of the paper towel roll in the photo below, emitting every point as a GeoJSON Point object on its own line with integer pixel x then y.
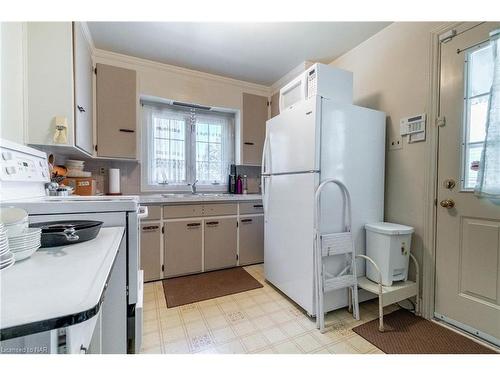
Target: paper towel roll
{"type": "Point", "coordinates": [114, 181]}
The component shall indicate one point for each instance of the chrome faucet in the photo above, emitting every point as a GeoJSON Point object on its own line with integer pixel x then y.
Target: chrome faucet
{"type": "Point", "coordinates": [193, 187]}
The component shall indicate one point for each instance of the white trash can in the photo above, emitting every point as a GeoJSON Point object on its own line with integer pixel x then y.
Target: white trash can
{"type": "Point", "coordinates": [388, 245]}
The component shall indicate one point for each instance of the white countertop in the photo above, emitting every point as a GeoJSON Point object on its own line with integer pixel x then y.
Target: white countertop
{"type": "Point", "coordinates": [74, 203]}
{"type": "Point", "coordinates": [58, 281]}
{"type": "Point", "coordinates": [203, 197]}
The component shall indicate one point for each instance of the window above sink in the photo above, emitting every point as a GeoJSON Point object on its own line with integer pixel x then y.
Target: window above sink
{"type": "Point", "coordinates": [183, 143]}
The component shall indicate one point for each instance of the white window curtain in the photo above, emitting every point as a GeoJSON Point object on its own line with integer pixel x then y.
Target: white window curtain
{"type": "Point", "coordinates": [184, 144]}
{"type": "Point", "coordinates": [488, 179]}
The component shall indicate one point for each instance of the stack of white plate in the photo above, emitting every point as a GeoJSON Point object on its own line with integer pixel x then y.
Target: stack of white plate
{"type": "Point", "coordinates": [6, 257]}
{"type": "Point", "coordinates": [15, 220]}
{"type": "Point", "coordinates": [75, 168]}
{"type": "Point", "coordinates": [75, 164]}
{"type": "Point", "coordinates": [24, 244]}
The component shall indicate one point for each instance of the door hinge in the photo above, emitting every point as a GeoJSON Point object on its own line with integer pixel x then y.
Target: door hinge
{"type": "Point", "coordinates": [95, 70]}
{"type": "Point", "coordinates": [447, 36]}
{"type": "Point", "coordinates": [441, 121]}
{"type": "Point", "coordinates": [163, 229]}
{"type": "Point", "coordinates": [162, 267]}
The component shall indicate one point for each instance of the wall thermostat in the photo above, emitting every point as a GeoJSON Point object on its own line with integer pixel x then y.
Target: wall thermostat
{"type": "Point", "coordinates": [413, 127]}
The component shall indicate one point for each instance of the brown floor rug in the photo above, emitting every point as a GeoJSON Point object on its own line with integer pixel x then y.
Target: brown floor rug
{"type": "Point", "coordinates": [194, 288]}
{"type": "Point", "coordinates": [406, 333]}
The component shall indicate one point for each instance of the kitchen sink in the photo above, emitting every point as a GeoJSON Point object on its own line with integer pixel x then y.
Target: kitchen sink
{"type": "Point", "coordinates": [187, 195]}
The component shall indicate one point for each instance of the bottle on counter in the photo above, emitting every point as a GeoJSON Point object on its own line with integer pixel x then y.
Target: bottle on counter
{"type": "Point", "coordinates": [239, 185]}
{"type": "Point", "coordinates": [245, 184]}
{"type": "Point", "coordinates": [232, 184]}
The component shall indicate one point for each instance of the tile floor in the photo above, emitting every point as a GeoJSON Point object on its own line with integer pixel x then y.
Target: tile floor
{"type": "Point", "coordinates": [258, 321]}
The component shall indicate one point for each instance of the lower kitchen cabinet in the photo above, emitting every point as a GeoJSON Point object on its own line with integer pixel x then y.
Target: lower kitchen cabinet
{"type": "Point", "coordinates": [151, 238]}
{"type": "Point", "coordinates": [251, 239]}
{"type": "Point", "coordinates": [220, 243]}
{"type": "Point", "coordinates": [183, 247]}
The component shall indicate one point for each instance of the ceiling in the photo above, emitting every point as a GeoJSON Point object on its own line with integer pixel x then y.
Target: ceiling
{"type": "Point", "coordinates": [254, 52]}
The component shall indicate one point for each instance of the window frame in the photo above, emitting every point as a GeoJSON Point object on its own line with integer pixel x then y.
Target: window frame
{"type": "Point", "coordinates": [465, 144]}
{"type": "Point", "coordinates": [190, 149]}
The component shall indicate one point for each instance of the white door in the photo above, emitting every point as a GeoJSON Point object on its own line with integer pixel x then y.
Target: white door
{"type": "Point", "coordinates": [288, 235]}
{"type": "Point", "coordinates": [292, 139]}
{"type": "Point", "coordinates": [468, 228]}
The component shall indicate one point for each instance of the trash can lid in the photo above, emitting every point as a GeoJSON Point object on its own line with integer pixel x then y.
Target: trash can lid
{"type": "Point", "coordinates": [389, 228]}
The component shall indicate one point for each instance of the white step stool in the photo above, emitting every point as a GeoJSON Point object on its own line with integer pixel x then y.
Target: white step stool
{"type": "Point", "coordinates": [334, 244]}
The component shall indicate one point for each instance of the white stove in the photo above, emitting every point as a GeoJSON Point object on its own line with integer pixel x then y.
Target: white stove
{"type": "Point", "coordinates": [23, 175]}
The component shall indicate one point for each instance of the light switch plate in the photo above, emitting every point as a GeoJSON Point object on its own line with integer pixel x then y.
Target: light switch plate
{"type": "Point", "coordinates": [396, 143]}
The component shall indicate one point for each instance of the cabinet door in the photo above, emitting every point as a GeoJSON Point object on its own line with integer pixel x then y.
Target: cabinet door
{"type": "Point", "coordinates": [151, 250]}
{"type": "Point", "coordinates": [275, 104]}
{"type": "Point", "coordinates": [183, 247]}
{"type": "Point", "coordinates": [83, 72]}
{"type": "Point", "coordinates": [254, 127]}
{"type": "Point", "coordinates": [116, 97]}
{"type": "Point", "coordinates": [220, 243]}
{"type": "Point", "coordinates": [251, 240]}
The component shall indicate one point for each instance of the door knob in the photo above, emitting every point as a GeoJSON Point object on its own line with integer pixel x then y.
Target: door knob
{"type": "Point", "coordinates": [447, 203]}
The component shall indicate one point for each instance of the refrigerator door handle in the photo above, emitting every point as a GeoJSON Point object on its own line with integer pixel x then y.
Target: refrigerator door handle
{"type": "Point", "coordinates": [265, 193]}
{"type": "Point", "coordinates": [264, 156]}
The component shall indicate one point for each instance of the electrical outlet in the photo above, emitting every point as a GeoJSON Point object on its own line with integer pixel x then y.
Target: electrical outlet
{"type": "Point", "coordinates": [396, 143]}
{"type": "Point", "coordinates": [102, 171]}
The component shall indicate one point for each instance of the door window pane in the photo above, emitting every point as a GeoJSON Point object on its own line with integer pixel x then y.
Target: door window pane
{"type": "Point", "coordinates": [479, 76]}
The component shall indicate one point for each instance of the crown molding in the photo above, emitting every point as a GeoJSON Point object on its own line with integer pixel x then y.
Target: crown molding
{"type": "Point", "coordinates": [150, 64]}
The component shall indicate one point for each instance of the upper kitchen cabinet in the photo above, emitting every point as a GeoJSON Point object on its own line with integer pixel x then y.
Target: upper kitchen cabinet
{"type": "Point", "coordinates": [254, 128]}
{"type": "Point", "coordinates": [116, 98]}
{"type": "Point", "coordinates": [275, 104]}
{"type": "Point", "coordinates": [59, 86]}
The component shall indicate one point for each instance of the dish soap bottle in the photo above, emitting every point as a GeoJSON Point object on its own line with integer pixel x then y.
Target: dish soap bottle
{"type": "Point", "coordinates": [239, 185]}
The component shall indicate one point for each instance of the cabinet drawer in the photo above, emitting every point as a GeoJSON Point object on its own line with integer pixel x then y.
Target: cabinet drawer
{"type": "Point", "coordinates": [183, 210]}
{"type": "Point", "coordinates": [251, 208]}
{"type": "Point", "coordinates": [154, 213]}
{"type": "Point", "coordinates": [220, 209]}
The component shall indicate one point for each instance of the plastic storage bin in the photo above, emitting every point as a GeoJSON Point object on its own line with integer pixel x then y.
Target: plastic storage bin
{"type": "Point", "coordinates": [388, 245]}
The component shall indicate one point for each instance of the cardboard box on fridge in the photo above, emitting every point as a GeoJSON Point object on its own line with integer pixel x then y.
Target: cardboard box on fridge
{"type": "Point", "coordinates": [81, 185]}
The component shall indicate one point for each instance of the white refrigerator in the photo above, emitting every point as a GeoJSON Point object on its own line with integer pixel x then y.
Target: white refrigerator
{"type": "Point", "coordinates": [315, 140]}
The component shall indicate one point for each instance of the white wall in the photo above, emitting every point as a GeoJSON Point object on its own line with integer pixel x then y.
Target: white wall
{"type": "Point", "coordinates": [12, 80]}
{"type": "Point", "coordinates": [391, 74]}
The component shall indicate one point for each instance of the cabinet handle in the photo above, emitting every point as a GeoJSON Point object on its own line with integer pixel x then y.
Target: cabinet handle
{"type": "Point", "coordinates": [193, 225]}
{"type": "Point", "coordinates": [127, 131]}
{"type": "Point", "coordinates": [212, 223]}
{"type": "Point", "coordinates": [249, 143]}
{"type": "Point", "coordinates": [246, 220]}
{"type": "Point", "coordinates": [258, 206]}
{"type": "Point", "coordinates": [80, 108]}
{"type": "Point", "coordinates": [150, 227]}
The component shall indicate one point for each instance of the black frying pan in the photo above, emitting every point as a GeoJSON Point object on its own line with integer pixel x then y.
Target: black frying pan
{"type": "Point", "coordinates": [67, 232]}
